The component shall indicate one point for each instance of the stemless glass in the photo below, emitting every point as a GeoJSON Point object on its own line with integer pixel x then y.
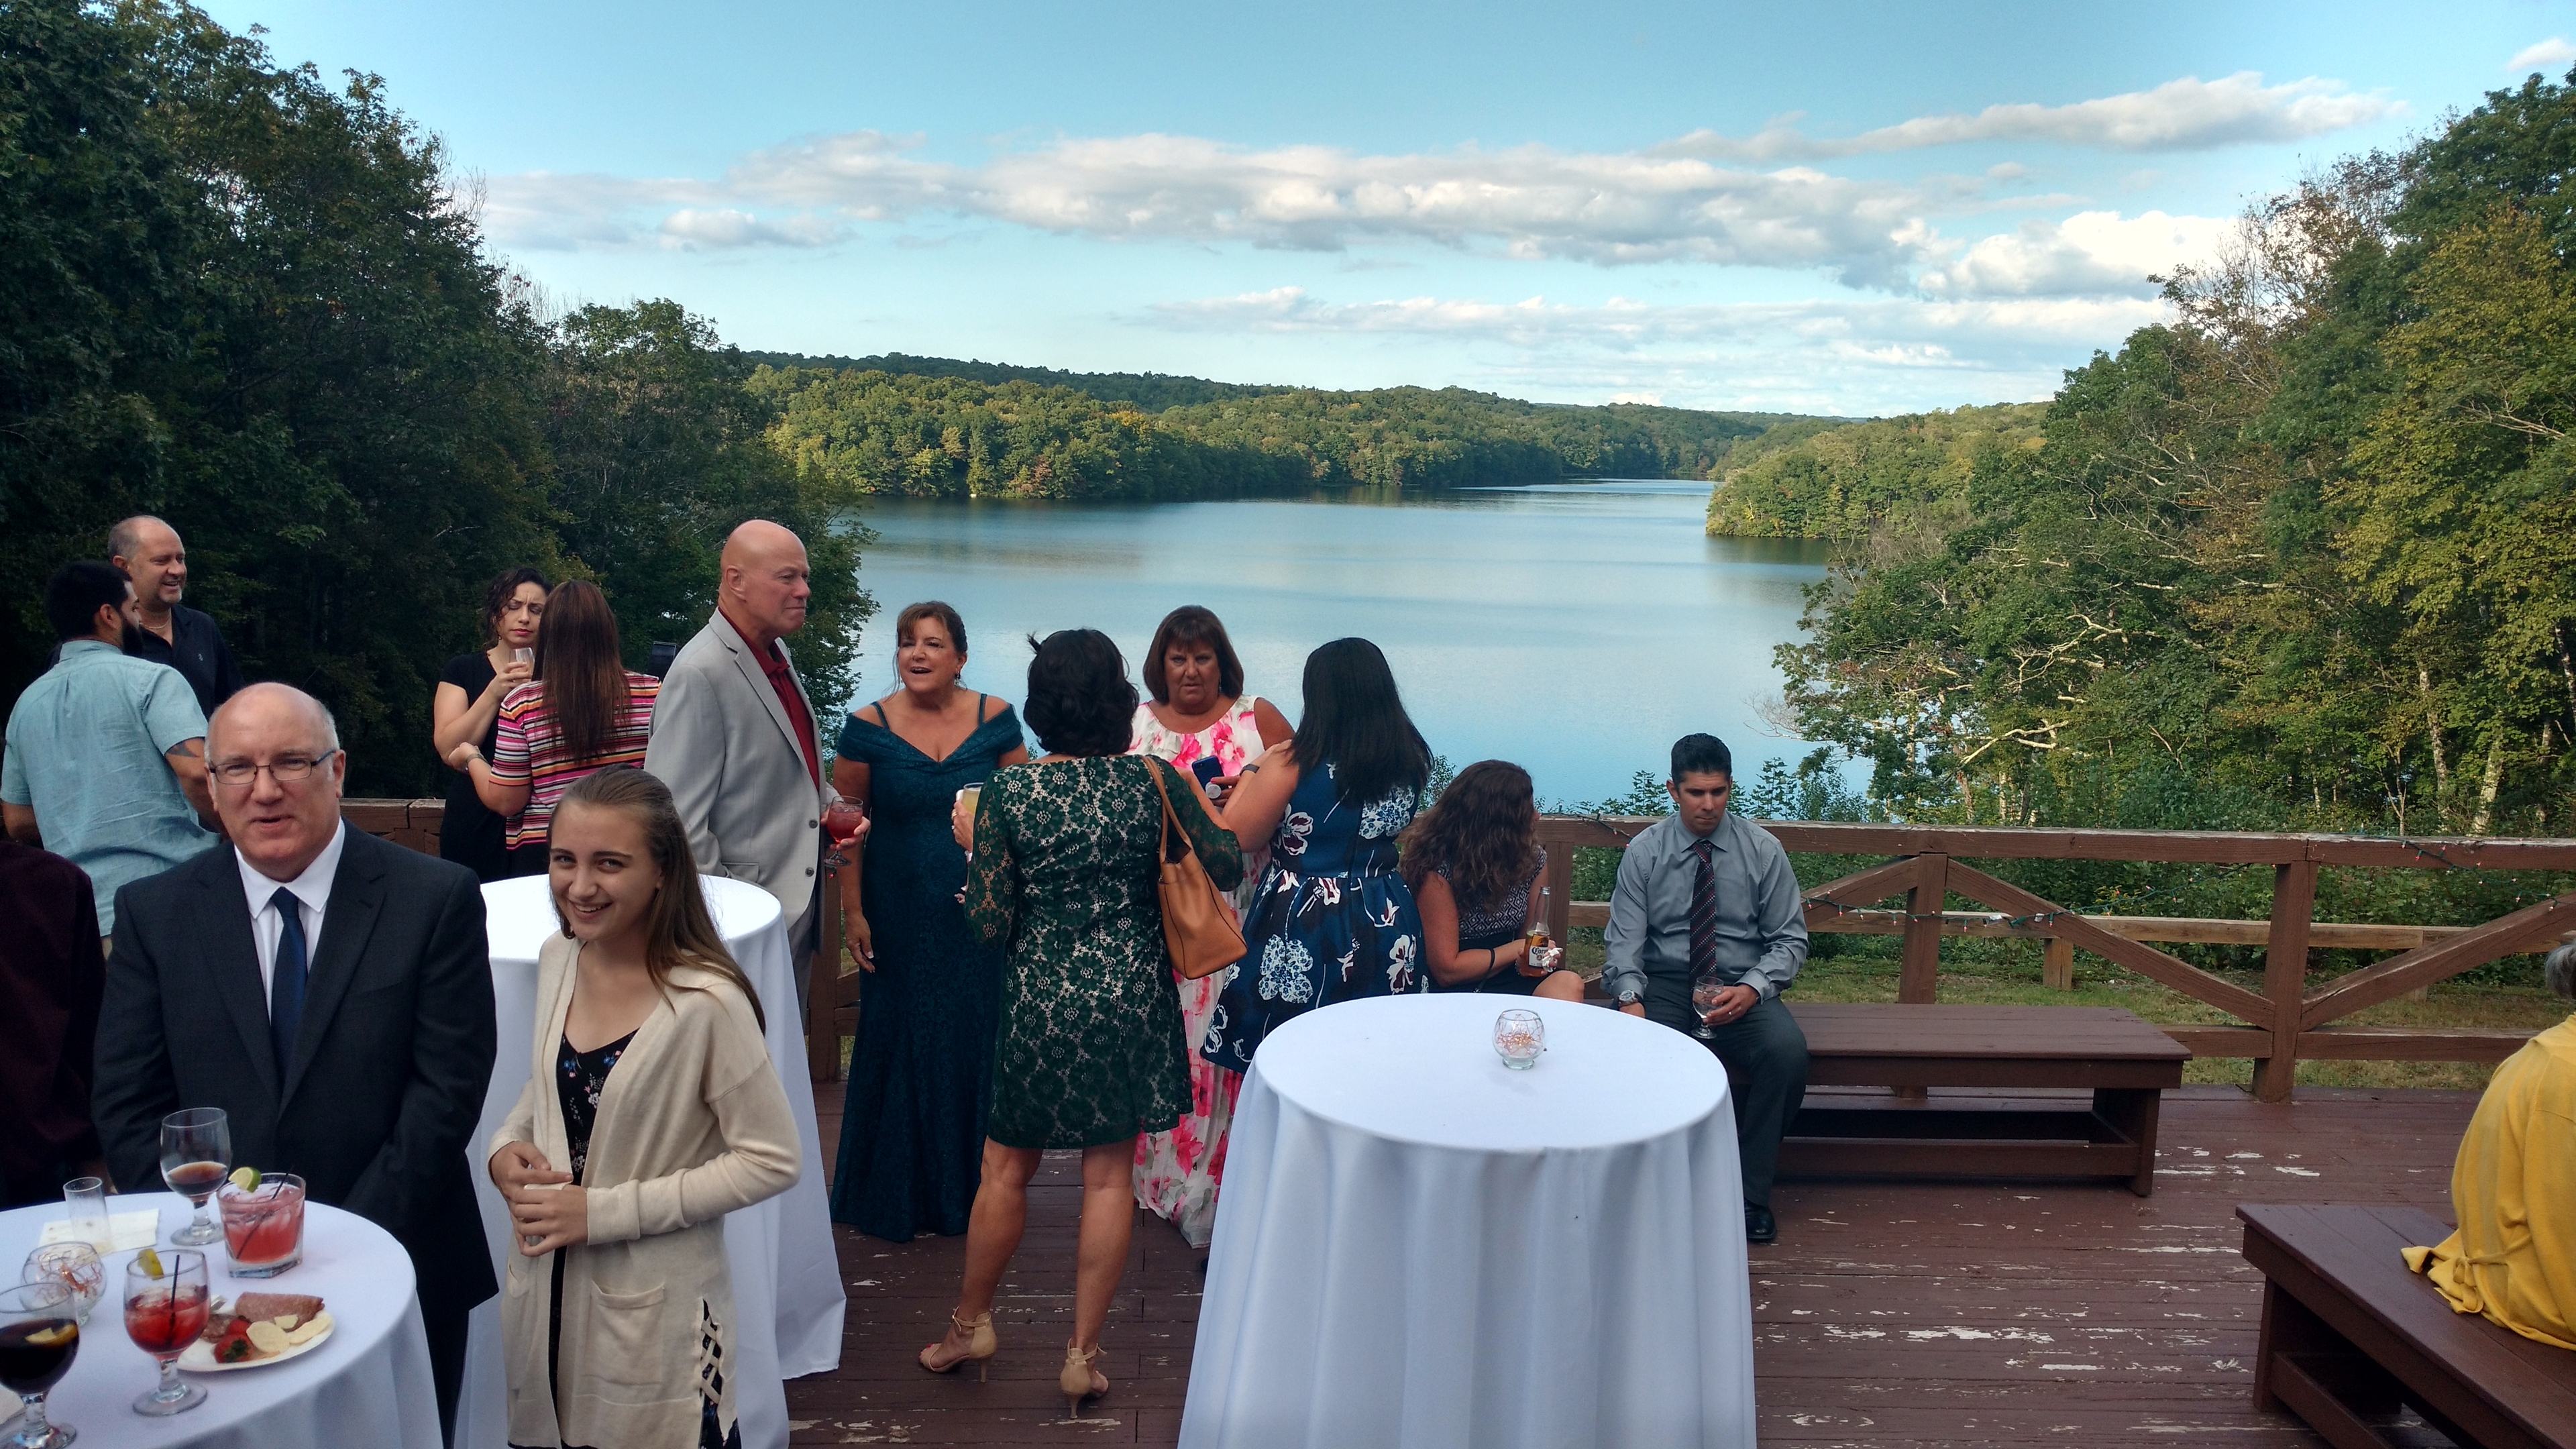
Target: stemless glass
{"type": "Point", "coordinates": [1519, 1036]}
{"type": "Point", "coordinates": [196, 1149]}
{"type": "Point", "coordinates": [85, 1204]}
{"type": "Point", "coordinates": [39, 1334]}
{"type": "Point", "coordinates": [76, 1266]}
{"type": "Point", "coordinates": [1705, 994]}
{"type": "Point", "coordinates": [165, 1310]}
{"type": "Point", "coordinates": [263, 1225]}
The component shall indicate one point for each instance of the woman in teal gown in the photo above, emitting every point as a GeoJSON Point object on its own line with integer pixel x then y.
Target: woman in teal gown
{"type": "Point", "coordinates": [912, 1123]}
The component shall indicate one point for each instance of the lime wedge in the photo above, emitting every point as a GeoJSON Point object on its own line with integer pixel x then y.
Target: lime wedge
{"type": "Point", "coordinates": [151, 1262]}
{"type": "Point", "coordinates": [246, 1178]}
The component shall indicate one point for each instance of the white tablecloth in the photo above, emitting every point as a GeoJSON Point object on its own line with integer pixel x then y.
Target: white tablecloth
{"type": "Point", "coordinates": [786, 1281]}
{"type": "Point", "coordinates": [1417, 1246]}
{"type": "Point", "coordinates": [369, 1384]}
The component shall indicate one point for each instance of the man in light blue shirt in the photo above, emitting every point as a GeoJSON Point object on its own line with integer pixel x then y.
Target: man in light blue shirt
{"type": "Point", "coordinates": [106, 762]}
{"type": "Point", "coordinates": [1707, 899]}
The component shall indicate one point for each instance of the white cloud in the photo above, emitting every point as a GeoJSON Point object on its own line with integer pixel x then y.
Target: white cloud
{"type": "Point", "coordinates": [1621, 322]}
{"type": "Point", "coordinates": [2547, 55]}
{"type": "Point", "coordinates": [726, 227]}
{"type": "Point", "coordinates": [1847, 356]}
{"type": "Point", "coordinates": [2189, 114]}
{"type": "Point", "coordinates": [2092, 253]}
{"type": "Point", "coordinates": [1705, 198]}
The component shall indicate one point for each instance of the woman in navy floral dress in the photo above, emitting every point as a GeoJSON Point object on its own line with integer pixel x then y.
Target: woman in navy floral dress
{"type": "Point", "coordinates": [1332, 921]}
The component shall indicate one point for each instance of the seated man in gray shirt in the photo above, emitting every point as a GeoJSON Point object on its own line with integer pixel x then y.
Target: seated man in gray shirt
{"type": "Point", "coordinates": [1703, 894]}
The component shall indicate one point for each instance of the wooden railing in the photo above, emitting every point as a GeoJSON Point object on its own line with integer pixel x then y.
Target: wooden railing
{"type": "Point", "coordinates": [2283, 1022]}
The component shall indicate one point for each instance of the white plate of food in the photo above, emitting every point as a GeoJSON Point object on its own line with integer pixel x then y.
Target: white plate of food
{"type": "Point", "coordinates": [257, 1330]}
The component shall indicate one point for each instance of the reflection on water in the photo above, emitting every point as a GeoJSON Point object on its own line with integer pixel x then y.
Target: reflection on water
{"type": "Point", "coordinates": [1576, 627]}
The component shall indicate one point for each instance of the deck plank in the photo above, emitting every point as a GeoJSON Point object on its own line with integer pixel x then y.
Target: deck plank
{"type": "Point", "coordinates": [1923, 1313]}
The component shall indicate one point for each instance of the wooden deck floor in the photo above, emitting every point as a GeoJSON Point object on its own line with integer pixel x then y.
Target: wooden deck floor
{"type": "Point", "coordinates": [1953, 1314]}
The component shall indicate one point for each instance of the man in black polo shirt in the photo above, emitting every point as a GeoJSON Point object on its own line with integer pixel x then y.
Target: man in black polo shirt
{"type": "Point", "coordinates": [150, 553]}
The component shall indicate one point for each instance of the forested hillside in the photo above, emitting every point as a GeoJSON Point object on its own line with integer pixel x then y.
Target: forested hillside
{"type": "Point", "coordinates": [941, 433]}
{"type": "Point", "coordinates": [249, 302]}
{"type": "Point", "coordinates": [2305, 556]}
{"type": "Point", "coordinates": [1148, 391]}
{"type": "Point", "coordinates": [1817, 480]}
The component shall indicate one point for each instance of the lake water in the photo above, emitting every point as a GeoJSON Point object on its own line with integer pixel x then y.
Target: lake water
{"type": "Point", "coordinates": [1576, 628]}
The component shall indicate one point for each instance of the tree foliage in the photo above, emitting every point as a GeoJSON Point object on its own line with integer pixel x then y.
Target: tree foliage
{"type": "Point", "coordinates": [1841, 481]}
{"type": "Point", "coordinates": [939, 435]}
{"type": "Point", "coordinates": [2306, 547]}
{"type": "Point", "coordinates": [253, 303]}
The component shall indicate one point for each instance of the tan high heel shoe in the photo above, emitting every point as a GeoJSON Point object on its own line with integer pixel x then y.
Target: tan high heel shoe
{"type": "Point", "coordinates": [1080, 1380]}
{"type": "Point", "coordinates": [980, 1345]}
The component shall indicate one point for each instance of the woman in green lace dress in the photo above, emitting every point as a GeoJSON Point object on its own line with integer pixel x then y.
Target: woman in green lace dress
{"type": "Point", "coordinates": [1066, 854]}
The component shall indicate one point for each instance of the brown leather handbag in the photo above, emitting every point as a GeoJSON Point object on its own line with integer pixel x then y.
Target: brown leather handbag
{"type": "Point", "coordinates": [1197, 928]}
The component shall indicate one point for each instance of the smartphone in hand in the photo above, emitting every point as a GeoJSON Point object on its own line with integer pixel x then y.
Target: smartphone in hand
{"type": "Point", "coordinates": [1207, 769]}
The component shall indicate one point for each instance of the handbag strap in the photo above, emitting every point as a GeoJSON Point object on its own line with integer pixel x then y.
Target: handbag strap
{"type": "Point", "coordinates": [1171, 817]}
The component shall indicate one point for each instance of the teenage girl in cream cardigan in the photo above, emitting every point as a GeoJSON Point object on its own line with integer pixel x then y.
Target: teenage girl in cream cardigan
{"type": "Point", "coordinates": [651, 1111]}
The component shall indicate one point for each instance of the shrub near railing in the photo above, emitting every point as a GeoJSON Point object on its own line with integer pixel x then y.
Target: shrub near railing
{"type": "Point", "coordinates": [2285, 1020]}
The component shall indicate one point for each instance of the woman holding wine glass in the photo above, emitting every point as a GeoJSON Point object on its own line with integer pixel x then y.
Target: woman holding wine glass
{"type": "Point", "coordinates": [912, 1127]}
{"type": "Point", "coordinates": [584, 712]}
{"type": "Point", "coordinates": [1473, 860]}
{"type": "Point", "coordinates": [467, 709]}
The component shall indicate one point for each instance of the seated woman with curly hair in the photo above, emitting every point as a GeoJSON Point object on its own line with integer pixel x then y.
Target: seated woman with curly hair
{"type": "Point", "coordinates": [1473, 860]}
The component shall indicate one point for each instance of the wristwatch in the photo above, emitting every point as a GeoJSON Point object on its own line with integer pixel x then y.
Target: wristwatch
{"type": "Point", "coordinates": [1630, 996]}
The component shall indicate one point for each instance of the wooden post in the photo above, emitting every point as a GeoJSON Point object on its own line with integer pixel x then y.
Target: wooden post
{"type": "Point", "coordinates": [1918, 979]}
{"type": "Point", "coordinates": [2057, 965]}
{"type": "Point", "coordinates": [2285, 976]}
{"type": "Point", "coordinates": [1916, 982]}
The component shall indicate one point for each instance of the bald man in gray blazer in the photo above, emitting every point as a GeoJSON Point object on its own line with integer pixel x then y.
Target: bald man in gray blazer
{"type": "Point", "coordinates": [734, 734]}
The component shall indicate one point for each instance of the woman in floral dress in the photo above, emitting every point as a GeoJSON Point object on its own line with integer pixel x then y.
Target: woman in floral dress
{"type": "Point", "coordinates": [1201, 720]}
{"type": "Point", "coordinates": [1332, 920]}
{"type": "Point", "coordinates": [1067, 855]}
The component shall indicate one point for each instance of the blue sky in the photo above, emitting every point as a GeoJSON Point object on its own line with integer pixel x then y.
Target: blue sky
{"type": "Point", "coordinates": [1844, 208]}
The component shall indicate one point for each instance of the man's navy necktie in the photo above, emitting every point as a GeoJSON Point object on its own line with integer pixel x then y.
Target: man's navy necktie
{"type": "Point", "coordinates": [286, 981]}
{"type": "Point", "coordinates": [1703, 916]}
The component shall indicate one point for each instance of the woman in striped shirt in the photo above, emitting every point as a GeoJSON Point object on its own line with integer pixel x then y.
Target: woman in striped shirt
{"type": "Point", "coordinates": [584, 712]}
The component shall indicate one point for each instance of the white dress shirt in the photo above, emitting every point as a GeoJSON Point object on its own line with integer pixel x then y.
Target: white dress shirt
{"type": "Point", "coordinates": [312, 891]}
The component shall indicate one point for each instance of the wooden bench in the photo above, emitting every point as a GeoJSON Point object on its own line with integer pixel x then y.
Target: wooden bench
{"type": "Point", "coordinates": [2348, 1331]}
{"type": "Point", "coordinates": [2123, 1060]}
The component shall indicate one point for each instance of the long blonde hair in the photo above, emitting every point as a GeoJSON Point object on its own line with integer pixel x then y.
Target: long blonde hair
{"type": "Point", "coordinates": [678, 931]}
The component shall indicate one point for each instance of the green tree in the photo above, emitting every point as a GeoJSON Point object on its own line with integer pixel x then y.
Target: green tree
{"type": "Point", "coordinates": [658, 449]}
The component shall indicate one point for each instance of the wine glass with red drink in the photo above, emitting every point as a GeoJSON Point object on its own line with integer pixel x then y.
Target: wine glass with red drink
{"type": "Point", "coordinates": [39, 1334]}
{"type": "Point", "coordinates": [165, 1310]}
{"type": "Point", "coordinates": [196, 1150]}
{"type": "Point", "coordinates": [841, 820]}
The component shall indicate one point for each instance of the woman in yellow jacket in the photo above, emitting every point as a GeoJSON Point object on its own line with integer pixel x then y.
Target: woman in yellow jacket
{"type": "Point", "coordinates": [2513, 1258]}
{"type": "Point", "coordinates": [651, 1111]}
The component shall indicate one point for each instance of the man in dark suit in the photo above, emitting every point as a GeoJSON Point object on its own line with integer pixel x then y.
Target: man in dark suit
{"type": "Point", "coordinates": [50, 975]}
{"type": "Point", "coordinates": [332, 993]}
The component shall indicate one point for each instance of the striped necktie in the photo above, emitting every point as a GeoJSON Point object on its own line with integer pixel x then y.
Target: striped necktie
{"type": "Point", "coordinates": [1703, 917]}
{"type": "Point", "coordinates": [286, 981]}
